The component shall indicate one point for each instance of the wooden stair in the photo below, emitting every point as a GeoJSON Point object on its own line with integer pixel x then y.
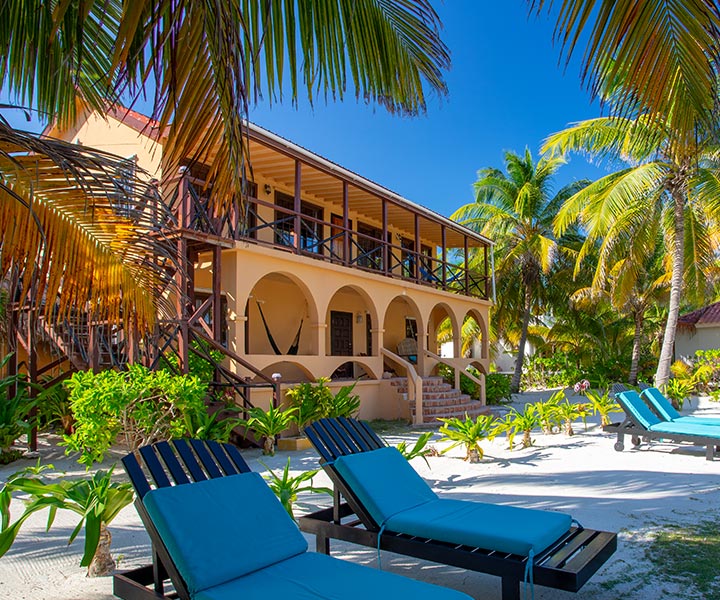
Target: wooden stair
{"type": "Point", "coordinates": [441, 400]}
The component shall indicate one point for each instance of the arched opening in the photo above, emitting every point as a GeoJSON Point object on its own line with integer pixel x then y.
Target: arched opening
{"type": "Point", "coordinates": [474, 336]}
{"type": "Point", "coordinates": [357, 369]}
{"type": "Point", "coordinates": [404, 331]}
{"type": "Point", "coordinates": [279, 315]}
{"type": "Point", "coordinates": [442, 329]}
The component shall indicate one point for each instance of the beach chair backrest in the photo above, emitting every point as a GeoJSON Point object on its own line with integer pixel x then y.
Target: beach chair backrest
{"type": "Point", "coordinates": [634, 406]}
{"type": "Point", "coordinates": [661, 404]}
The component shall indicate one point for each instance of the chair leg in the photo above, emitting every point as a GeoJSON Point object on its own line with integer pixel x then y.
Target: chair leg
{"type": "Point", "coordinates": [709, 451]}
{"type": "Point", "coordinates": [510, 588]}
{"type": "Point", "coordinates": [322, 544]}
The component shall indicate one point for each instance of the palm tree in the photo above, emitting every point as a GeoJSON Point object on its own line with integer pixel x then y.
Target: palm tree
{"type": "Point", "coordinates": [517, 210]}
{"type": "Point", "coordinates": [663, 54]}
{"type": "Point", "coordinates": [666, 185]}
{"type": "Point", "coordinates": [208, 62]}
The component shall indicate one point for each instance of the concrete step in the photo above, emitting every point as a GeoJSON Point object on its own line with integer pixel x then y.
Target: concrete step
{"type": "Point", "coordinates": [473, 412]}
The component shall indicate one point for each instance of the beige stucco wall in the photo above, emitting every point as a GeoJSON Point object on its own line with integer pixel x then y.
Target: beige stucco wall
{"type": "Point", "coordinates": [703, 338]}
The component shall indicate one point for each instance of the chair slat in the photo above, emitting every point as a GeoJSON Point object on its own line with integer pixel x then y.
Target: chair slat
{"type": "Point", "coordinates": [221, 458]}
{"type": "Point", "coordinates": [172, 463]}
{"type": "Point", "coordinates": [136, 475]}
{"type": "Point", "coordinates": [154, 466]}
{"type": "Point", "coordinates": [340, 433]}
{"type": "Point", "coordinates": [189, 460]}
{"type": "Point", "coordinates": [357, 435]}
{"type": "Point", "coordinates": [325, 427]}
{"type": "Point", "coordinates": [371, 434]}
{"type": "Point", "coordinates": [318, 443]}
{"type": "Point", "coordinates": [206, 459]}
{"type": "Point", "coordinates": [237, 459]}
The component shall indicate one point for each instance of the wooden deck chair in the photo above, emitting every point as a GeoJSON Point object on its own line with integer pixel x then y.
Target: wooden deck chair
{"type": "Point", "coordinates": [219, 533]}
{"type": "Point", "coordinates": [388, 506]}
{"type": "Point", "coordinates": [643, 425]}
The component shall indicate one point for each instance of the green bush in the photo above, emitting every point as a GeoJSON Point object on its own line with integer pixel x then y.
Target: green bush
{"type": "Point", "coordinates": [467, 385]}
{"type": "Point", "coordinates": [557, 370]}
{"type": "Point", "coordinates": [198, 365]}
{"type": "Point", "coordinates": [141, 405]}
{"type": "Point", "coordinates": [315, 400]}
{"type": "Point", "coordinates": [14, 412]}
{"type": "Point", "coordinates": [497, 388]}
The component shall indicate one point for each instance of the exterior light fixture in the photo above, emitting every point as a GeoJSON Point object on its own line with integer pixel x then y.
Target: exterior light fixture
{"type": "Point", "coordinates": [267, 188]}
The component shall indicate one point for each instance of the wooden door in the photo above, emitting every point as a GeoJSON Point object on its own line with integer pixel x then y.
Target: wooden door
{"type": "Point", "coordinates": [341, 333]}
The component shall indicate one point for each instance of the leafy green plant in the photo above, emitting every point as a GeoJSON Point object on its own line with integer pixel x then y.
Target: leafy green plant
{"type": "Point", "coordinates": [97, 500]}
{"type": "Point", "coordinates": [603, 405]}
{"type": "Point", "coordinates": [205, 426]}
{"type": "Point", "coordinates": [15, 412]}
{"type": "Point", "coordinates": [268, 424]}
{"type": "Point", "coordinates": [678, 390]}
{"type": "Point", "coordinates": [497, 388]}
{"type": "Point", "coordinates": [54, 407]}
{"type": "Point", "coordinates": [141, 405]}
{"type": "Point", "coordinates": [287, 487]}
{"type": "Point", "coordinates": [198, 365]}
{"type": "Point", "coordinates": [419, 448]}
{"type": "Point", "coordinates": [506, 425]}
{"type": "Point", "coordinates": [568, 412]}
{"type": "Point", "coordinates": [468, 433]}
{"type": "Point", "coordinates": [313, 401]}
{"type": "Point", "coordinates": [547, 412]}
{"type": "Point", "coordinates": [525, 421]}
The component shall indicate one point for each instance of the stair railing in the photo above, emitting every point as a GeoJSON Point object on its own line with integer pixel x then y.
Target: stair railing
{"type": "Point", "coordinates": [415, 383]}
{"type": "Point", "coordinates": [459, 370]}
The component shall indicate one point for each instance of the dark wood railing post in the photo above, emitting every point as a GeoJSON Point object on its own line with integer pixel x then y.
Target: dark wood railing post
{"type": "Point", "coordinates": [443, 241]}
{"type": "Point", "coordinates": [385, 248]}
{"type": "Point", "coordinates": [467, 266]}
{"type": "Point", "coordinates": [415, 273]}
{"type": "Point", "coordinates": [346, 224]}
{"type": "Point", "coordinates": [297, 206]}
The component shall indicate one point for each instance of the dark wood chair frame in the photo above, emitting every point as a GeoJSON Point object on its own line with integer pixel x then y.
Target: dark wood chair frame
{"type": "Point", "coordinates": [639, 434]}
{"type": "Point", "coordinates": [179, 462]}
{"type": "Point", "coordinates": [567, 564]}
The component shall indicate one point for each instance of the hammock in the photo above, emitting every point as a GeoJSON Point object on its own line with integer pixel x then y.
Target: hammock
{"type": "Point", "coordinates": [293, 349]}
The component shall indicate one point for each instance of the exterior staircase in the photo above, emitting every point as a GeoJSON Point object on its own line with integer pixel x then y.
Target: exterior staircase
{"type": "Point", "coordinates": [441, 400]}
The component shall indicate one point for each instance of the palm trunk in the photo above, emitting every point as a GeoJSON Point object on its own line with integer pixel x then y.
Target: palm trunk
{"type": "Point", "coordinates": [635, 360]}
{"type": "Point", "coordinates": [517, 375]}
{"type": "Point", "coordinates": [676, 287]}
{"type": "Point", "coordinates": [102, 563]}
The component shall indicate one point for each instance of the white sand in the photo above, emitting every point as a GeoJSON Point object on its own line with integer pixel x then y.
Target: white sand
{"type": "Point", "coordinates": [635, 492]}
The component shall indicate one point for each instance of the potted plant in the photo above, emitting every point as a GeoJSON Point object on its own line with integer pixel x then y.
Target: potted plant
{"type": "Point", "coordinates": [467, 432]}
{"type": "Point", "coordinates": [97, 500]}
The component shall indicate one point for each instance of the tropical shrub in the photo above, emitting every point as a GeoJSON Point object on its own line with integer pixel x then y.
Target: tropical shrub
{"type": "Point", "coordinates": [217, 426]}
{"type": "Point", "coordinates": [54, 407]}
{"type": "Point", "coordinates": [468, 433]}
{"type": "Point", "coordinates": [497, 388]}
{"type": "Point", "coordinates": [543, 372]}
{"type": "Point", "coordinates": [313, 401]}
{"type": "Point", "coordinates": [287, 487]}
{"type": "Point", "coordinates": [467, 385]}
{"type": "Point", "coordinates": [419, 448]}
{"type": "Point", "coordinates": [547, 412]}
{"type": "Point", "coordinates": [710, 361]}
{"type": "Point", "coordinates": [142, 406]}
{"type": "Point", "coordinates": [268, 424]}
{"type": "Point", "coordinates": [568, 412]}
{"type": "Point", "coordinates": [15, 419]}
{"type": "Point", "coordinates": [508, 426]}
{"type": "Point", "coordinates": [678, 390]}
{"type": "Point", "coordinates": [198, 365]}
{"type": "Point", "coordinates": [97, 501]}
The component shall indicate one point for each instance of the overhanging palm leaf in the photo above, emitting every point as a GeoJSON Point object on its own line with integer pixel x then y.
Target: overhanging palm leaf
{"type": "Point", "coordinates": [63, 234]}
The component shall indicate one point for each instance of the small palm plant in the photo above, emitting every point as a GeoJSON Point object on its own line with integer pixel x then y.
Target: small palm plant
{"type": "Point", "coordinates": [547, 412]}
{"type": "Point", "coordinates": [506, 425]}
{"type": "Point", "coordinates": [419, 449]}
{"type": "Point", "coordinates": [268, 424]}
{"type": "Point", "coordinates": [678, 390]}
{"type": "Point", "coordinates": [568, 412]}
{"type": "Point", "coordinates": [525, 421]}
{"type": "Point", "coordinates": [603, 405]}
{"type": "Point", "coordinates": [97, 500]}
{"type": "Point", "coordinates": [287, 487]}
{"type": "Point", "coordinates": [468, 433]}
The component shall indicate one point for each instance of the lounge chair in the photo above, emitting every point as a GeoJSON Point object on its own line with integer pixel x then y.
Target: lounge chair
{"type": "Point", "coordinates": [219, 533]}
{"type": "Point", "coordinates": [666, 411]}
{"type": "Point", "coordinates": [642, 424]}
{"type": "Point", "coordinates": [390, 507]}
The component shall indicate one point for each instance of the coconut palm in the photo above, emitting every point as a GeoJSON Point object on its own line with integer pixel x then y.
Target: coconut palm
{"type": "Point", "coordinates": [665, 185]}
{"type": "Point", "coordinates": [208, 62]}
{"type": "Point", "coordinates": [664, 55]}
{"type": "Point", "coordinates": [517, 209]}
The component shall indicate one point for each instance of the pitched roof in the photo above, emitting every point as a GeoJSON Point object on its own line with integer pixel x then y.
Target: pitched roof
{"type": "Point", "coordinates": [707, 315]}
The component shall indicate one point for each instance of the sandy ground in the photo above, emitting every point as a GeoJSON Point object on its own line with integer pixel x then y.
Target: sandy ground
{"type": "Point", "coordinates": [635, 492]}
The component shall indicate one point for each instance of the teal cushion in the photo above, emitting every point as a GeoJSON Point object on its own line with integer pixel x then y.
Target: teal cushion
{"type": "Point", "coordinates": [633, 404]}
{"type": "Point", "coordinates": [686, 428]}
{"type": "Point", "coordinates": [491, 526]}
{"type": "Point", "coordinates": [312, 576]}
{"type": "Point", "coordinates": [384, 482]}
{"type": "Point", "coordinates": [661, 404]}
{"type": "Point", "coordinates": [224, 528]}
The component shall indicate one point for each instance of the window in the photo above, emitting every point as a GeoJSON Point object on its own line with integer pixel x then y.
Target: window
{"type": "Point", "coordinates": [311, 232]}
{"type": "Point", "coordinates": [369, 243]}
{"type": "Point", "coordinates": [124, 200]}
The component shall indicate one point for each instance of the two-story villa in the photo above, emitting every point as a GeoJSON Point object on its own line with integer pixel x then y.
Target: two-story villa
{"type": "Point", "coordinates": [320, 273]}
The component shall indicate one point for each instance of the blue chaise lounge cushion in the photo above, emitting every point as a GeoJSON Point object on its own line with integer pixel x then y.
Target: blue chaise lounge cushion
{"type": "Point", "coordinates": [311, 576]}
{"type": "Point", "coordinates": [666, 410]}
{"type": "Point", "coordinates": [399, 499]}
{"type": "Point", "coordinates": [222, 529]}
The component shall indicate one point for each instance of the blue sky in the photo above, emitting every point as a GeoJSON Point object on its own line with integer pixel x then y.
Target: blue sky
{"type": "Point", "coordinates": [507, 90]}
